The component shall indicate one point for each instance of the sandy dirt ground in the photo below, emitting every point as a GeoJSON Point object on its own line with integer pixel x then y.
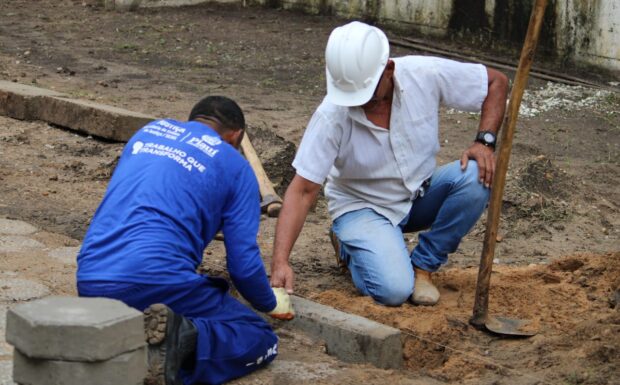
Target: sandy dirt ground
{"type": "Point", "coordinates": [558, 259]}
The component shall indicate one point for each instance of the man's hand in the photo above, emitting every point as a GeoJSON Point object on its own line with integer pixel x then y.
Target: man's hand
{"type": "Point", "coordinates": [284, 308]}
{"type": "Point", "coordinates": [485, 158]}
{"type": "Point", "coordinates": [282, 276]}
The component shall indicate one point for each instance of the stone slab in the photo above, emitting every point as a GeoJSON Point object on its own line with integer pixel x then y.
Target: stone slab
{"type": "Point", "coordinates": [92, 118]}
{"type": "Point", "coordinates": [74, 329]}
{"type": "Point", "coordinates": [126, 369]}
{"type": "Point", "coordinates": [17, 289]}
{"type": "Point", "coordinates": [21, 101]}
{"type": "Point", "coordinates": [13, 227]}
{"type": "Point", "coordinates": [5, 349]}
{"type": "Point", "coordinates": [13, 243]}
{"type": "Point", "coordinates": [6, 373]}
{"type": "Point", "coordinates": [66, 255]}
{"type": "Point", "coordinates": [349, 337]}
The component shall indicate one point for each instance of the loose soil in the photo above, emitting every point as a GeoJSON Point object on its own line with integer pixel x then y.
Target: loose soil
{"type": "Point", "coordinates": [557, 260]}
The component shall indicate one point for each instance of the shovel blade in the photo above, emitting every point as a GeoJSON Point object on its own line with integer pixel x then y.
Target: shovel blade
{"type": "Point", "coordinates": [510, 326]}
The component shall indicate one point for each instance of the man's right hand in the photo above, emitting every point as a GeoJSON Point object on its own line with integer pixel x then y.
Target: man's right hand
{"type": "Point", "coordinates": [282, 276]}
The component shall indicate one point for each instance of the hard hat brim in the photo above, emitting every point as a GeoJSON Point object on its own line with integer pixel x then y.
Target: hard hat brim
{"type": "Point", "coordinates": [350, 99]}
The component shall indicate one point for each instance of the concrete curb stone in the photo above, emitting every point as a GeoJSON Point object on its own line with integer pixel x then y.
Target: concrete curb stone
{"type": "Point", "coordinates": [92, 118]}
{"type": "Point", "coordinates": [25, 102]}
{"type": "Point", "coordinates": [21, 101]}
{"type": "Point", "coordinates": [349, 337]}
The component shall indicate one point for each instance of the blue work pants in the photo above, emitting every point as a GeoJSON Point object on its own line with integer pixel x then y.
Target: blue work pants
{"type": "Point", "coordinates": [375, 251]}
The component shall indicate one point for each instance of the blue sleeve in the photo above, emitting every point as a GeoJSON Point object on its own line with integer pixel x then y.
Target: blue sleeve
{"type": "Point", "coordinates": [240, 221]}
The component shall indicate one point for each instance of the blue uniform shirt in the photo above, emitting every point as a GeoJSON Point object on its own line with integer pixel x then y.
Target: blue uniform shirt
{"type": "Point", "coordinates": [176, 184]}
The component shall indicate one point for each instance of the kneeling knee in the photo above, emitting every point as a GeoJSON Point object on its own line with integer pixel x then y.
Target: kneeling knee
{"type": "Point", "coordinates": [392, 294]}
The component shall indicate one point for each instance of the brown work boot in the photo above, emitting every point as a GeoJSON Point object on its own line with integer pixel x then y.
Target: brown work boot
{"type": "Point", "coordinates": [424, 292]}
{"type": "Point", "coordinates": [342, 265]}
{"type": "Point", "coordinates": [172, 342]}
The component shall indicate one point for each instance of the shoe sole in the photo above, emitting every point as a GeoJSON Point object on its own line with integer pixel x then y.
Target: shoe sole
{"type": "Point", "coordinates": [155, 324]}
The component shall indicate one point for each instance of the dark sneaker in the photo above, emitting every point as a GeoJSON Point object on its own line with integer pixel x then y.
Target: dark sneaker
{"type": "Point", "coordinates": [172, 342]}
{"type": "Point", "coordinates": [342, 265]}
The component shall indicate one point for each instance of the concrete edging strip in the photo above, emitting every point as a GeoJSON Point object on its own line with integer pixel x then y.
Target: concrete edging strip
{"type": "Point", "coordinates": [20, 101]}
{"type": "Point", "coordinates": [349, 337]}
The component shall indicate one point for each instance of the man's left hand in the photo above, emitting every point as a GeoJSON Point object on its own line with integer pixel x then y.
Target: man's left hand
{"type": "Point", "coordinates": [485, 157]}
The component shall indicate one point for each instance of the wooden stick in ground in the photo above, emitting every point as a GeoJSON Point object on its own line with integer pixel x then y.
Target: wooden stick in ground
{"type": "Point", "coordinates": [271, 202]}
{"type": "Point", "coordinates": [481, 304]}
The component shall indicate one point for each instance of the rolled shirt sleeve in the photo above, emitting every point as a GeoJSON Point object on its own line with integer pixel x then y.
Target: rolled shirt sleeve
{"type": "Point", "coordinates": [461, 85]}
{"type": "Point", "coordinates": [319, 146]}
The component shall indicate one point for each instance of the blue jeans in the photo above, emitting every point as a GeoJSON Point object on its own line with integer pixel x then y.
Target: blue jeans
{"type": "Point", "coordinates": [375, 251]}
{"type": "Point", "coordinates": [232, 340]}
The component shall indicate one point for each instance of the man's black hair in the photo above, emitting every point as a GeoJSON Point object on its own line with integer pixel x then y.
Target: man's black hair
{"type": "Point", "coordinates": [226, 110]}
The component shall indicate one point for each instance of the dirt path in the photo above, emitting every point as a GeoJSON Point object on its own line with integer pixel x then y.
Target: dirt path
{"type": "Point", "coordinates": [557, 261]}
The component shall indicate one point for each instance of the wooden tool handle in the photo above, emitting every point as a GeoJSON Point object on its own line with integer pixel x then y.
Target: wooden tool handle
{"type": "Point", "coordinates": [481, 304]}
{"type": "Point", "coordinates": [267, 192]}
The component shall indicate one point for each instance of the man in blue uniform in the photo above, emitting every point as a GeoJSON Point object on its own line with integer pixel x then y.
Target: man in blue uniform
{"type": "Point", "coordinates": [176, 185]}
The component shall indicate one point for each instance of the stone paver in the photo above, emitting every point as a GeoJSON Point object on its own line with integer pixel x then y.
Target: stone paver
{"type": "Point", "coordinates": [72, 328]}
{"type": "Point", "coordinates": [65, 254]}
{"type": "Point", "coordinates": [126, 369]}
{"type": "Point", "coordinates": [13, 227]}
{"type": "Point", "coordinates": [17, 289]}
{"type": "Point", "coordinates": [294, 372]}
{"type": "Point", "coordinates": [14, 243]}
{"type": "Point", "coordinates": [5, 348]}
{"type": "Point", "coordinates": [6, 372]}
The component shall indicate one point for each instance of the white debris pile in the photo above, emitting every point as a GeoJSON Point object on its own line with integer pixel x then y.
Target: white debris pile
{"type": "Point", "coordinates": [556, 96]}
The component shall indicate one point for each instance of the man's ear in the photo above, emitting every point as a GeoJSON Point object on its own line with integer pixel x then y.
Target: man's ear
{"type": "Point", "coordinates": [233, 137]}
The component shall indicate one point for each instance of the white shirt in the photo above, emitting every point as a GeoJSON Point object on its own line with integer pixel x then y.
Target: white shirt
{"type": "Point", "coordinates": [367, 166]}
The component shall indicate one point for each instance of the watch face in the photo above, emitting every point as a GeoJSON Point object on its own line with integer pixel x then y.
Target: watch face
{"type": "Point", "coordinates": [489, 138]}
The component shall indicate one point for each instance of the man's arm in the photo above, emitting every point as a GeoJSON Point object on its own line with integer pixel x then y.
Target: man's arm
{"type": "Point", "coordinates": [299, 197]}
{"type": "Point", "coordinates": [240, 221]}
{"type": "Point", "coordinates": [491, 117]}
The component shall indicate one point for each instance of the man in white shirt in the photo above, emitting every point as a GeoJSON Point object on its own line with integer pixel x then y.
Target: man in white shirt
{"type": "Point", "coordinates": [374, 139]}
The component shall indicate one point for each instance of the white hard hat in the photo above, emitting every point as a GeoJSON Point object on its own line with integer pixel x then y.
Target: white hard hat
{"type": "Point", "coordinates": [355, 57]}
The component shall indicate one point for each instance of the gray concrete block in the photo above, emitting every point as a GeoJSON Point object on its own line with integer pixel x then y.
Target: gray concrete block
{"type": "Point", "coordinates": [20, 101]}
{"type": "Point", "coordinates": [92, 118]}
{"type": "Point", "coordinates": [12, 227]}
{"type": "Point", "coordinates": [74, 329]}
{"type": "Point", "coordinates": [126, 369]}
{"type": "Point", "coordinates": [349, 337]}
{"type": "Point", "coordinates": [16, 289]}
